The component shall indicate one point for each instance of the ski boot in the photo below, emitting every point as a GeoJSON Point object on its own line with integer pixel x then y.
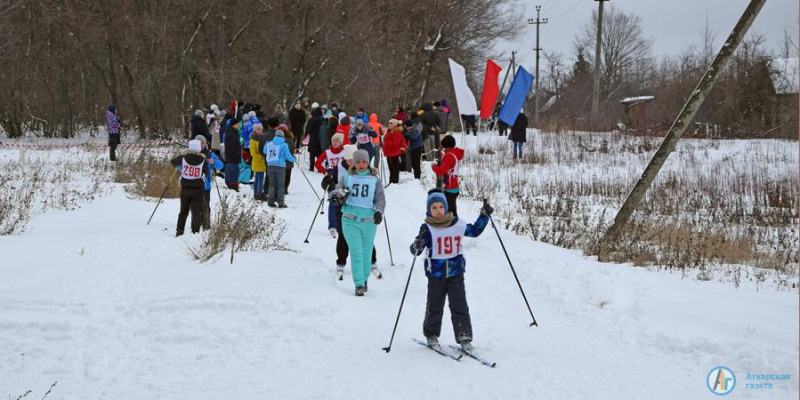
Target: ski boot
{"type": "Point", "coordinates": [340, 271]}
{"type": "Point", "coordinates": [432, 341]}
{"type": "Point", "coordinates": [466, 345]}
{"type": "Point", "coordinates": [333, 232]}
{"type": "Point", "coordinates": [360, 291]}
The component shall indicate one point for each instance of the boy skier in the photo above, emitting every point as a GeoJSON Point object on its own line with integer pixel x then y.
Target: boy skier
{"type": "Point", "coordinates": [277, 153]}
{"type": "Point", "coordinates": [442, 234]}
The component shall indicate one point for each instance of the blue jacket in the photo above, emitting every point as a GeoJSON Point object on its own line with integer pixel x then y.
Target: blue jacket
{"type": "Point", "coordinates": [283, 153]}
{"type": "Point", "coordinates": [362, 117]}
{"type": "Point", "coordinates": [414, 137]}
{"type": "Point", "coordinates": [217, 166]}
{"type": "Point", "coordinates": [247, 130]}
{"type": "Point", "coordinates": [453, 266]}
{"type": "Point", "coordinates": [366, 130]}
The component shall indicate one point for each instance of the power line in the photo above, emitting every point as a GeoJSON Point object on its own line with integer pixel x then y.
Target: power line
{"type": "Point", "coordinates": [568, 11]}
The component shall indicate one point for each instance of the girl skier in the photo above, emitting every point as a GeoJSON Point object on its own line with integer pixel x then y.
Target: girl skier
{"type": "Point", "coordinates": [360, 192]}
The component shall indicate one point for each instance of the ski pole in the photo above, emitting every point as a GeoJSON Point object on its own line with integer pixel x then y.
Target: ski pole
{"type": "Point", "coordinates": [314, 220]}
{"type": "Point", "coordinates": [309, 183]}
{"type": "Point", "coordinates": [385, 225]}
{"type": "Point", "coordinates": [162, 196]}
{"type": "Point", "coordinates": [512, 270]}
{"type": "Point", "coordinates": [388, 348]}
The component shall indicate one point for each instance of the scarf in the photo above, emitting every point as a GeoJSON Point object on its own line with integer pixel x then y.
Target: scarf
{"type": "Point", "coordinates": [442, 222]}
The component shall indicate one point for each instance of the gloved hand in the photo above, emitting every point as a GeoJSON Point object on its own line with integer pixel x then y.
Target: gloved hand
{"type": "Point", "coordinates": [486, 210]}
{"type": "Point", "coordinates": [378, 217]}
{"type": "Point", "coordinates": [327, 182]}
{"type": "Point", "coordinates": [418, 244]}
{"type": "Point", "coordinates": [339, 197]}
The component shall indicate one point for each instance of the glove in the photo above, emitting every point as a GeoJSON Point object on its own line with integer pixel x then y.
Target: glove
{"type": "Point", "coordinates": [339, 197]}
{"type": "Point", "coordinates": [418, 244]}
{"type": "Point", "coordinates": [487, 210]}
{"type": "Point", "coordinates": [327, 182]}
{"type": "Point", "coordinates": [378, 217]}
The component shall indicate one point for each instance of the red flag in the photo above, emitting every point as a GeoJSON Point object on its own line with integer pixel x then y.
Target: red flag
{"type": "Point", "coordinates": [490, 88]}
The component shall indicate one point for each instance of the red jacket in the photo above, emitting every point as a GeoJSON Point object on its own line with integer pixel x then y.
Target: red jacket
{"type": "Point", "coordinates": [394, 144]}
{"type": "Point", "coordinates": [344, 130]}
{"type": "Point", "coordinates": [451, 163]}
{"type": "Point", "coordinates": [324, 156]}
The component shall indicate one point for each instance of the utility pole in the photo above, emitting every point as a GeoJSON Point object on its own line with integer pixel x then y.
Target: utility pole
{"type": "Point", "coordinates": [682, 121]}
{"type": "Point", "coordinates": [596, 89]}
{"type": "Point", "coordinates": [538, 22]}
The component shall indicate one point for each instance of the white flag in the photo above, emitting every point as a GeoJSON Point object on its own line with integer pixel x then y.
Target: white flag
{"type": "Point", "coordinates": [464, 96]}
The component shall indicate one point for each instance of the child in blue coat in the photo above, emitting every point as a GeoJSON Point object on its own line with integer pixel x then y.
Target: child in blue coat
{"type": "Point", "coordinates": [442, 234]}
{"type": "Point", "coordinates": [276, 153]}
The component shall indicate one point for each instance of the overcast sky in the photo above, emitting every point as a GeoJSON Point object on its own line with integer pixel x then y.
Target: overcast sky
{"type": "Point", "coordinates": [672, 24]}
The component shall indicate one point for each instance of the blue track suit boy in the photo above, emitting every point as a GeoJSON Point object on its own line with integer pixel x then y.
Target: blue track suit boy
{"type": "Point", "coordinates": [276, 153]}
{"type": "Point", "coordinates": [444, 267]}
{"type": "Point", "coordinates": [361, 214]}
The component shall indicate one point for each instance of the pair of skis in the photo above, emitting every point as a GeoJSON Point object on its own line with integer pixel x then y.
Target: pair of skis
{"type": "Point", "coordinates": [456, 353]}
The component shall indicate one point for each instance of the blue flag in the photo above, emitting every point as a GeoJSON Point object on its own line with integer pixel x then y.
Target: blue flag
{"type": "Point", "coordinates": [515, 98]}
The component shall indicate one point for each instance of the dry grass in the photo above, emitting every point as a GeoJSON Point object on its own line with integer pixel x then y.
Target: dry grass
{"type": "Point", "coordinates": [715, 207]}
{"type": "Point", "coordinates": [238, 222]}
{"type": "Point", "coordinates": [148, 174]}
{"type": "Point", "coordinates": [30, 186]}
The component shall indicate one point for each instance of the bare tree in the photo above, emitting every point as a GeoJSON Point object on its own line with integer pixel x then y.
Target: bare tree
{"type": "Point", "coordinates": [623, 45]}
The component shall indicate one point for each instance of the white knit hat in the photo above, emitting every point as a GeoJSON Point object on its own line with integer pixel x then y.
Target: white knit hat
{"type": "Point", "coordinates": [348, 151]}
{"type": "Point", "coordinates": [315, 105]}
{"type": "Point", "coordinates": [342, 115]}
{"type": "Point", "coordinates": [194, 145]}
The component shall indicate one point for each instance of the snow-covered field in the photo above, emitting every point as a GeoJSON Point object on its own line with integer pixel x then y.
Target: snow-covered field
{"type": "Point", "coordinates": [110, 308]}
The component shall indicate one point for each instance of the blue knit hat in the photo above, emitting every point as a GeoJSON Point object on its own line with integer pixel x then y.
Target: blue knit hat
{"type": "Point", "coordinates": [435, 196]}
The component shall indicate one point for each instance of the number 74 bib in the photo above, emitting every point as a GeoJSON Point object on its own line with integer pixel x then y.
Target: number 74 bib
{"type": "Point", "coordinates": [446, 242]}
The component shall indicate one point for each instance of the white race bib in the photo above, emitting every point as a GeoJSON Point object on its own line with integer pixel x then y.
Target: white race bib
{"type": "Point", "coordinates": [447, 242]}
{"type": "Point", "coordinates": [191, 172]}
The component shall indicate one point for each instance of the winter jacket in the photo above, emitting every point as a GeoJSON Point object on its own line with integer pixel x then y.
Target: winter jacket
{"type": "Point", "coordinates": [377, 127]}
{"type": "Point", "coordinates": [313, 131]}
{"type": "Point", "coordinates": [438, 265]}
{"type": "Point", "coordinates": [233, 146]}
{"type": "Point", "coordinates": [344, 129]}
{"type": "Point", "coordinates": [430, 123]}
{"type": "Point", "coordinates": [394, 143]}
{"type": "Point", "coordinates": [288, 137]}
{"type": "Point", "coordinates": [113, 123]}
{"type": "Point", "coordinates": [323, 164]}
{"type": "Point", "coordinates": [258, 164]}
{"type": "Point", "coordinates": [362, 138]}
{"type": "Point", "coordinates": [362, 117]}
{"type": "Point", "coordinates": [277, 153]}
{"type": "Point", "coordinates": [414, 137]}
{"type": "Point", "coordinates": [247, 130]}
{"type": "Point", "coordinates": [333, 123]}
{"type": "Point", "coordinates": [519, 130]}
{"type": "Point", "coordinates": [193, 170]}
{"type": "Point", "coordinates": [442, 117]}
{"type": "Point", "coordinates": [451, 163]}
{"type": "Point", "coordinates": [378, 199]}
{"type": "Point", "coordinates": [198, 127]}
{"type": "Point", "coordinates": [216, 166]}
{"type": "Point", "coordinates": [297, 121]}
{"type": "Point", "coordinates": [401, 116]}
{"type": "Point", "coordinates": [269, 134]}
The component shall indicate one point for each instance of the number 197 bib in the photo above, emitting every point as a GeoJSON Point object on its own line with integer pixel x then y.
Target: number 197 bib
{"type": "Point", "coordinates": [446, 242]}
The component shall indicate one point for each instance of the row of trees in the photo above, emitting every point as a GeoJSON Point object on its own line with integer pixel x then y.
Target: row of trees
{"type": "Point", "coordinates": [743, 103]}
{"type": "Point", "coordinates": [64, 61]}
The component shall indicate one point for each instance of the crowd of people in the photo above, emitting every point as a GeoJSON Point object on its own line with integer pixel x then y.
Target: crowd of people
{"type": "Point", "coordinates": [245, 145]}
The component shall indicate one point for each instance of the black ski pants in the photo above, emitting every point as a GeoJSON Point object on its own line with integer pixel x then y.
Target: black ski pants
{"type": "Point", "coordinates": [416, 156]}
{"type": "Point", "coordinates": [453, 289]}
{"type": "Point", "coordinates": [191, 200]}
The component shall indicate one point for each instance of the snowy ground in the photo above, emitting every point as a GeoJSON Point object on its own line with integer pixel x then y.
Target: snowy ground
{"type": "Point", "coordinates": [112, 309]}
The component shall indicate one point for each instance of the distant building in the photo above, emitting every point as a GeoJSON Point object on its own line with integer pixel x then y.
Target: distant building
{"type": "Point", "coordinates": [634, 113]}
{"type": "Point", "coordinates": [785, 77]}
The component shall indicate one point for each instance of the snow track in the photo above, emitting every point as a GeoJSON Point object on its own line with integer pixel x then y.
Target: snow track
{"type": "Point", "coordinates": [113, 309]}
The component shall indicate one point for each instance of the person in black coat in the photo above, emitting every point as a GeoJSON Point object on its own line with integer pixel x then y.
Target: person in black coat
{"type": "Point", "coordinates": [297, 122]}
{"type": "Point", "coordinates": [197, 126]}
{"type": "Point", "coordinates": [519, 134]}
{"type": "Point", "coordinates": [233, 154]}
{"type": "Point", "coordinates": [313, 130]}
